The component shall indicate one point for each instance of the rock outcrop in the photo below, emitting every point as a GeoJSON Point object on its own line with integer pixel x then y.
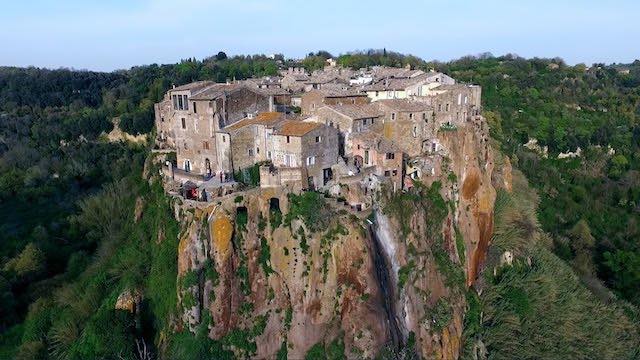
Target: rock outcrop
{"type": "Point", "coordinates": [271, 273]}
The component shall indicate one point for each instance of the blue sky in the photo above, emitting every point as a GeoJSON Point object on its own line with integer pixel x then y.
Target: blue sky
{"type": "Point", "coordinates": [116, 34]}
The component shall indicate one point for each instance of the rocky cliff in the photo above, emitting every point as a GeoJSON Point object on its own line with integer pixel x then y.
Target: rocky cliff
{"type": "Point", "coordinates": [269, 273]}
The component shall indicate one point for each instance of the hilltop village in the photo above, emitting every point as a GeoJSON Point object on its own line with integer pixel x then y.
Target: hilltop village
{"type": "Point", "coordinates": [311, 131]}
{"type": "Point", "coordinates": [336, 204]}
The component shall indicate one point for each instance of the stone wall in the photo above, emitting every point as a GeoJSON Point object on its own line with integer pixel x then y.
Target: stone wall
{"type": "Point", "coordinates": [325, 152]}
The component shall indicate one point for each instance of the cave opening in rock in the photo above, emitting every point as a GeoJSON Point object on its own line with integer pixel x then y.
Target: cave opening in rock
{"type": "Point", "coordinates": [274, 204]}
{"type": "Point", "coordinates": [242, 217]}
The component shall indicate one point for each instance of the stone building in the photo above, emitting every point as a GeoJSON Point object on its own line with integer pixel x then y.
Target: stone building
{"type": "Point", "coordinates": [315, 99]}
{"type": "Point", "coordinates": [408, 123]}
{"type": "Point", "coordinates": [372, 150]}
{"type": "Point", "coordinates": [308, 145]}
{"type": "Point", "coordinates": [294, 79]}
{"type": "Point", "coordinates": [405, 87]}
{"type": "Point", "coordinates": [266, 82]}
{"type": "Point", "coordinates": [348, 119]}
{"type": "Point", "coordinates": [454, 104]}
{"type": "Point", "coordinates": [191, 119]}
{"type": "Point", "coordinates": [249, 139]}
{"type": "Point", "coordinates": [323, 80]}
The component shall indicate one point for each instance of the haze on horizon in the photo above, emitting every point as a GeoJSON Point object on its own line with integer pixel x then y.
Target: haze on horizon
{"type": "Point", "coordinates": [119, 34]}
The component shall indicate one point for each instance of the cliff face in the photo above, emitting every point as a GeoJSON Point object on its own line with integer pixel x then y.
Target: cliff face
{"type": "Point", "coordinates": [436, 237]}
{"type": "Point", "coordinates": [303, 282]}
{"type": "Point", "coordinates": [270, 274]}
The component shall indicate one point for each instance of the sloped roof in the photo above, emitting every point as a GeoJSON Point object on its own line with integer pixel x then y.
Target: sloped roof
{"type": "Point", "coordinates": [338, 91]}
{"type": "Point", "coordinates": [397, 84]}
{"type": "Point", "coordinates": [452, 86]}
{"type": "Point", "coordinates": [324, 78]}
{"type": "Point", "coordinates": [194, 86]}
{"type": "Point", "coordinates": [215, 91]}
{"type": "Point", "coordinates": [268, 119]}
{"type": "Point", "coordinates": [364, 111]}
{"type": "Point", "coordinates": [405, 105]}
{"type": "Point", "coordinates": [272, 91]}
{"type": "Point", "coordinates": [298, 76]}
{"type": "Point", "coordinates": [296, 128]}
{"type": "Point", "coordinates": [380, 72]}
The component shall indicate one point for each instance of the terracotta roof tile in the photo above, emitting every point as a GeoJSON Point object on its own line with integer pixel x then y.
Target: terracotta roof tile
{"type": "Point", "coordinates": [268, 119]}
{"type": "Point", "coordinates": [296, 128]}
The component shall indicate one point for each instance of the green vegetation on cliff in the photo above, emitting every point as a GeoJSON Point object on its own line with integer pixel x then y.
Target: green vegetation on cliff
{"type": "Point", "coordinates": [73, 238]}
{"type": "Point", "coordinates": [537, 307]}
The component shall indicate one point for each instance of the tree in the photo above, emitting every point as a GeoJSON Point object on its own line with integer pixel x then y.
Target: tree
{"type": "Point", "coordinates": [29, 262]}
{"type": "Point", "coordinates": [221, 56]}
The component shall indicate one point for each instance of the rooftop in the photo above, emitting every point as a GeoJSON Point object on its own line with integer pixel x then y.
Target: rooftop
{"type": "Point", "coordinates": [405, 105]}
{"type": "Point", "coordinates": [296, 128]}
{"type": "Point", "coordinates": [194, 86]}
{"type": "Point", "coordinates": [268, 119]}
{"type": "Point", "coordinates": [214, 91]}
{"type": "Point", "coordinates": [338, 92]}
{"type": "Point", "coordinates": [356, 111]}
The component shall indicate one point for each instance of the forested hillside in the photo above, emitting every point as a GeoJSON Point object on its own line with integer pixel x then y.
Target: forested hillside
{"type": "Point", "coordinates": [67, 201]}
{"type": "Point", "coordinates": [79, 224]}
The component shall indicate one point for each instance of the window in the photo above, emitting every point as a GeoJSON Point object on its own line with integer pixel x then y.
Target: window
{"type": "Point", "coordinates": [311, 160]}
{"type": "Point", "coordinates": [268, 154]}
{"type": "Point", "coordinates": [331, 123]}
{"type": "Point", "coordinates": [288, 139]}
{"type": "Point", "coordinates": [185, 145]}
{"type": "Point", "coordinates": [185, 102]}
{"type": "Point", "coordinates": [394, 172]}
{"type": "Point", "coordinates": [415, 131]}
{"type": "Point", "coordinates": [424, 116]}
{"type": "Point", "coordinates": [318, 139]}
{"type": "Point", "coordinates": [250, 152]}
{"type": "Point", "coordinates": [175, 102]}
{"type": "Point", "coordinates": [391, 156]}
{"type": "Point", "coordinates": [257, 150]}
{"type": "Point", "coordinates": [180, 106]}
{"type": "Point", "coordinates": [459, 99]}
{"type": "Point", "coordinates": [387, 173]}
{"type": "Point", "coordinates": [439, 107]}
{"type": "Point", "coordinates": [205, 145]}
{"type": "Point", "coordinates": [377, 93]}
{"type": "Point", "coordinates": [184, 123]}
{"type": "Point", "coordinates": [353, 101]}
{"type": "Point", "coordinates": [373, 121]}
{"type": "Point", "coordinates": [466, 99]}
{"type": "Point", "coordinates": [224, 139]}
{"type": "Point", "coordinates": [195, 109]}
{"type": "Point", "coordinates": [410, 116]}
{"type": "Point", "coordinates": [393, 116]}
{"type": "Point", "coordinates": [162, 119]}
{"type": "Point", "coordinates": [448, 107]}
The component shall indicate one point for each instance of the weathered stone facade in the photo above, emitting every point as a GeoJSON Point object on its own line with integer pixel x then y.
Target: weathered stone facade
{"type": "Point", "coordinates": [315, 99]}
{"type": "Point", "coordinates": [408, 124]}
{"type": "Point", "coordinates": [303, 144]}
{"type": "Point", "coordinates": [192, 117]}
{"type": "Point", "coordinates": [348, 119]}
{"type": "Point", "coordinates": [372, 150]}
